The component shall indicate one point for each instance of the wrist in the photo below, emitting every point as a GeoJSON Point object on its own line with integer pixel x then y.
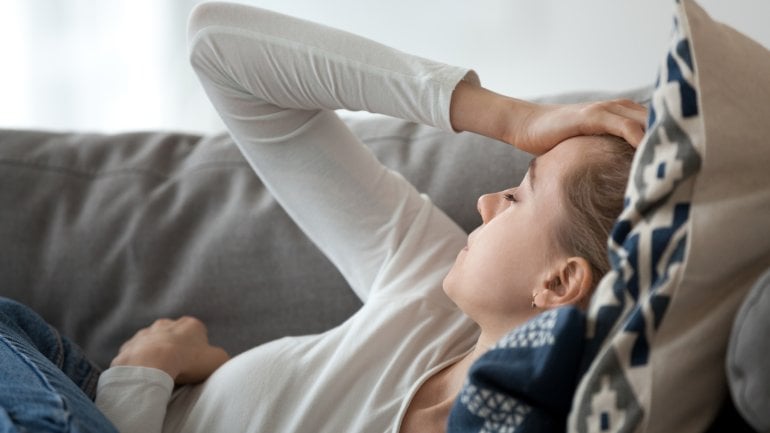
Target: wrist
{"type": "Point", "coordinates": [477, 109]}
{"type": "Point", "coordinates": [158, 356]}
{"type": "Point", "coordinates": [518, 114]}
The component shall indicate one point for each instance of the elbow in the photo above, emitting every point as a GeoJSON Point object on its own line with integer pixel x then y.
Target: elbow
{"type": "Point", "coordinates": [203, 18]}
{"type": "Point", "coordinates": [203, 15]}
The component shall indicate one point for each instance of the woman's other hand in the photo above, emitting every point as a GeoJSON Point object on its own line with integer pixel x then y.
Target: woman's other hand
{"type": "Point", "coordinates": [536, 128]}
{"type": "Point", "coordinates": [179, 347]}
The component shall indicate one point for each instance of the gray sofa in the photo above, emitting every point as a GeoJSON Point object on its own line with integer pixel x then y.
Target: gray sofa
{"type": "Point", "coordinates": [104, 233]}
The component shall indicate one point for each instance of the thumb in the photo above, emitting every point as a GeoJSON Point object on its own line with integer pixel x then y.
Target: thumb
{"type": "Point", "coordinates": [207, 360]}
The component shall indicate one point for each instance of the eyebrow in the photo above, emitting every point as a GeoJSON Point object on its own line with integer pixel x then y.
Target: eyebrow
{"type": "Point", "coordinates": [532, 165]}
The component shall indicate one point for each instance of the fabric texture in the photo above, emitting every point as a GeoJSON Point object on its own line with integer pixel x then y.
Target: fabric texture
{"type": "Point", "coordinates": [141, 397]}
{"type": "Point", "coordinates": [105, 233]}
{"type": "Point", "coordinates": [274, 81]}
{"type": "Point", "coordinates": [525, 382]}
{"type": "Point", "coordinates": [48, 385]}
{"type": "Point", "coordinates": [747, 370]}
{"type": "Point", "coordinates": [686, 249]}
{"type": "Point", "coordinates": [168, 224]}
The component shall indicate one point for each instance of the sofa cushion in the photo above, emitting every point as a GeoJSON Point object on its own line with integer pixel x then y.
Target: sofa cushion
{"type": "Point", "coordinates": [747, 356]}
{"type": "Point", "coordinates": [102, 234]}
{"type": "Point", "coordinates": [105, 233]}
{"type": "Point", "coordinates": [690, 242]}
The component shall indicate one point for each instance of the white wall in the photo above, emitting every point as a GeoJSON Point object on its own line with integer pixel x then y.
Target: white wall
{"type": "Point", "coordinates": [114, 65]}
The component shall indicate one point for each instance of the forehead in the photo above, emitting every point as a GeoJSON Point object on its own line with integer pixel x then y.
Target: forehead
{"type": "Point", "coordinates": [549, 169]}
{"type": "Point", "coordinates": [566, 154]}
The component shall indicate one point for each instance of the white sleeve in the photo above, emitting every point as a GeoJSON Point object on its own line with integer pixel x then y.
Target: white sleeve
{"type": "Point", "coordinates": [274, 79]}
{"type": "Point", "coordinates": [134, 399]}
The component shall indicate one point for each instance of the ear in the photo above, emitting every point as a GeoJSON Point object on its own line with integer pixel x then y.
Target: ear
{"type": "Point", "coordinates": [570, 285]}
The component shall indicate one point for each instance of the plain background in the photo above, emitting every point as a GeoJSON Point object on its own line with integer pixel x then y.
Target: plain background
{"type": "Point", "coordinates": [117, 65]}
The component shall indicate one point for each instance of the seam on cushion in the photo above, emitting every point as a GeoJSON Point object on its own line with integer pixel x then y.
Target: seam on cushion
{"type": "Point", "coordinates": [93, 174]}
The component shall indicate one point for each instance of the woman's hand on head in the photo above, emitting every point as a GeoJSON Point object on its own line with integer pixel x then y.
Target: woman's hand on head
{"type": "Point", "coordinates": [539, 127]}
{"type": "Point", "coordinates": [536, 128]}
{"type": "Point", "coordinates": [179, 347]}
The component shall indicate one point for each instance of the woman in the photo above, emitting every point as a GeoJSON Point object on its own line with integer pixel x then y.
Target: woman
{"type": "Point", "coordinates": [428, 312]}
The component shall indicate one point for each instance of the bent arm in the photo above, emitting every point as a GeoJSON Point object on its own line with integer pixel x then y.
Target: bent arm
{"type": "Point", "coordinates": [536, 128]}
{"type": "Point", "coordinates": [274, 79]}
{"type": "Point", "coordinates": [134, 392]}
{"type": "Point", "coordinates": [296, 64]}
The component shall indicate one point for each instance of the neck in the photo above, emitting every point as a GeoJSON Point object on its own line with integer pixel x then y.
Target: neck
{"type": "Point", "coordinates": [454, 376]}
{"type": "Point", "coordinates": [433, 402]}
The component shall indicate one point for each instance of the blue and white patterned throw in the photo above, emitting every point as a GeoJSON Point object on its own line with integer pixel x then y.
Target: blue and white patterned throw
{"type": "Point", "coordinates": [525, 382]}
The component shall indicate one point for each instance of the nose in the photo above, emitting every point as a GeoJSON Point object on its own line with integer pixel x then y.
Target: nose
{"type": "Point", "coordinates": [490, 205]}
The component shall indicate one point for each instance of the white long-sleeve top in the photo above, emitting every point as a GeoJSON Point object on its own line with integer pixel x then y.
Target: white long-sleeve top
{"type": "Point", "coordinates": [275, 81]}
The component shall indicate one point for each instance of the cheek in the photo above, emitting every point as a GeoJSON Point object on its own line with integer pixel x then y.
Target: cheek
{"type": "Point", "coordinates": [502, 269]}
{"type": "Point", "coordinates": [490, 279]}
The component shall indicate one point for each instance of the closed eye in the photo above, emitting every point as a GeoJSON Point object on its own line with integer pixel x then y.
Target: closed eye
{"type": "Point", "coordinates": [510, 197]}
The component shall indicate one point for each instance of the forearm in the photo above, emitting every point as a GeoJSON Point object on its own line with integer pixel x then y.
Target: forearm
{"type": "Point", "coordinates": [536, 128]}
{"type": "Point", "coordinates": [296, 64]}
{"type": "Point", "coordinates": [482, 111]}
{"type": "Point", "coordinates": [269, 91]}
{"type": "Point", "coordinates": [134, 399]}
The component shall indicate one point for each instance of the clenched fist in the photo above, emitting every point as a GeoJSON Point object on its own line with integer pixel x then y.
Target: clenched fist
{"type": "Point", "coordinates": [179, 347]}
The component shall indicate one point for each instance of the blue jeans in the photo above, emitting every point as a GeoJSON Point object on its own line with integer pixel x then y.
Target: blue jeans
{"type": "Point", "coordinates": [46, 382]}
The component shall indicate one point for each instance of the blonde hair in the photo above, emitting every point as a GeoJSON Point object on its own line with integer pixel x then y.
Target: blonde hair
{"type": "Point", "coordinates": [593, 198]}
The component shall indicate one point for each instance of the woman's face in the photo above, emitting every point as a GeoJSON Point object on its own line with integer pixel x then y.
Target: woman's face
{"type": "Point", "coordinates": [513, 254]}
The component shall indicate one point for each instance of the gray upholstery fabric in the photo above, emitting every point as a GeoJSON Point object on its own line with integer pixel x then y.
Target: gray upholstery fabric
{"type": "Point", "coordinates": [747, 355]}
{"type": "Point", "coordinates": [102, 234]}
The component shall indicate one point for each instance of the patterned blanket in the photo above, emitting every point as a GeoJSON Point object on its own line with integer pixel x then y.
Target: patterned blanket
{"type": "Point", "coordinates": [649, 354]}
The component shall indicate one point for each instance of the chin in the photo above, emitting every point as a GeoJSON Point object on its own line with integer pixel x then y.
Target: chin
{"type": "Point", "coordinates": [453, 291]}
{"type": "Point", "coordinates": [446, 285]}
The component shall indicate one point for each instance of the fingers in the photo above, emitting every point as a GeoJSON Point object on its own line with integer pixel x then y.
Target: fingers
{"type": "Point", "coordinates": [633, 133]}
{"type": "Point", "coordinates": [630, 110]}
{"type": "Point", "coordinates": [214, 358]}
{"type": "Point", "coordinates": [184, 324]}
{"type": "Point", "coordinates": [186, 327]}
{"type": "Point", "coordinates": [630, 130]}
{"type": "Point", "coordinates": [179, 347]}
{"type": "Point", "coordinates": [622, 118]}
{"type": "Point", "coordinates": [207, 360]}
{"type": "Point", "coordinates": [192, 324]}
